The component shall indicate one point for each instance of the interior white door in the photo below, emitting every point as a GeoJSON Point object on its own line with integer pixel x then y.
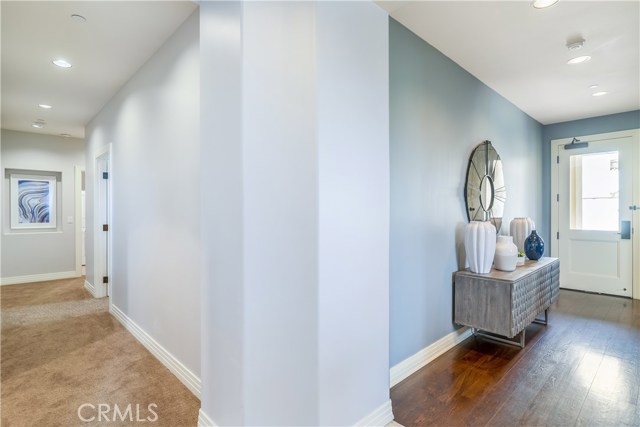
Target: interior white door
{"type": "Point", "coordinates": [103, 222]}
{"type": "Point", "coordinates": [106, 221]}
{"type": "Point", "coordinates": [594, 218]}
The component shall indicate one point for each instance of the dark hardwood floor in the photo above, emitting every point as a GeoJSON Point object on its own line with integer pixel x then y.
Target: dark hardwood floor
{"type": "Point", "coordinates": [581, 369]}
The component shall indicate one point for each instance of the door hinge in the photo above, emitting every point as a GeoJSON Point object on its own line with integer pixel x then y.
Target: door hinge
{"type": "Point", "coordinates": [557, 159]}
{"type": "Point", "coordinates": [558, 235]}
{"type": "Point", "coordinates": [557, 197]}
{"type": "Point", "coordinates": [105, 279]}
{"type": "Point", "coordinates": [105, 175]}
{"type": "Point", "coordinates": [105, 227]}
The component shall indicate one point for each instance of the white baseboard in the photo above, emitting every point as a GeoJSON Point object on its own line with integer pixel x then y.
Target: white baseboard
{"type": "Point", "coordinates": [188, 378]}
{"type": "Point", "coordinates": [204, 420]}
{"type": "Point", "coordinates": [88, 286]}
{"type": "Point", "coordinates": [382, 416]}
{"type": "Point", "coordinates": [99, 291]}
{"type": "Point", "coordinates": [17, 280]}
{"type": "Point", "coordinates": [411, 364]}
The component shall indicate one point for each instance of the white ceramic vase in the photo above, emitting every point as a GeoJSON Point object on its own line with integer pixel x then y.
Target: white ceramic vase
{"type": "Point", "coordinates": [480, 245]}
{"type": "Point", "coordinates": [506, 254]}
{"type": "Point", "coordinates": [520, 229]}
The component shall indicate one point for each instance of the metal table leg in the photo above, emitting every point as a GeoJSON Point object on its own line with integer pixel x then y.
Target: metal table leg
{"type": "Point", "coordinates": [518, 342]}
{"type": "Point", "coordinates": [546, 318]}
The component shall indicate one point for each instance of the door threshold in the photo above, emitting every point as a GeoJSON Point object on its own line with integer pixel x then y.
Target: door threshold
{"type": "Point", "coordinates": [594, 293]}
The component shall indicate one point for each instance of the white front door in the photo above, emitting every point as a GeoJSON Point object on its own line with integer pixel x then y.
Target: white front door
{"type": "Point", "coordinates": [595, 215]}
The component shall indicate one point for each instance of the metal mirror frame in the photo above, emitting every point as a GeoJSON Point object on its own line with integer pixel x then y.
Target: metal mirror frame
{"type": "Point", "coordinates": [484, 189]}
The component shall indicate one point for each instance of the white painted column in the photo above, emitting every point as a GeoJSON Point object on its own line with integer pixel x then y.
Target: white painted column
{"type": "Point", "coordinates": [222, 225]}
{"type": "Point", "coordinates": [295, 199]}
{"type": "Point", "coordinates": [352, 78]}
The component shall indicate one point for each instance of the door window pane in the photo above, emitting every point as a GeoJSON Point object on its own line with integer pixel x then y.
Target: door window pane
{"type": "Point", "coordinates": [595, 191]}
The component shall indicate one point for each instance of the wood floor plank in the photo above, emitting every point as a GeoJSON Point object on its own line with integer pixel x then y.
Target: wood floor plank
{"type": "Point", "coordinates": [602, 410]}
{"type": "Point", "coordinates": [581, 369]}
{"type": "Point", "coordinates": [546, 358]}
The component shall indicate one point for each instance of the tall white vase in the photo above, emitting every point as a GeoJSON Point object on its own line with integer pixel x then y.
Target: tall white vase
{"type": "Point", "coordinates": [480, 245]}
{"type": "Point", "coordinates": [520, 229]}
{"type": "Point", "coordinates": [506, 254]}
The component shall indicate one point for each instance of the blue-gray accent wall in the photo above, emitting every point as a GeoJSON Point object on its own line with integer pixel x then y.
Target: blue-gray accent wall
{"type": "Point", "coordinates": [438, 114]}
{"type": "Point", "coordinates": [591, 126]}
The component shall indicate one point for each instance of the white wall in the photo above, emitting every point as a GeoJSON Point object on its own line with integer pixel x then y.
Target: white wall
{"type": "Point", "coordinates": [222, 206]}
{"type": "Point", "coordinates": [153, 126]}
{"type": "Point", "coordinates": [352, 92]}
{"type": "Point", "coordinates": [280, 214]}
{"type": "Point", "coordinates": [295, 169]}
{"type": "Point", "coordinates": [42, 252]}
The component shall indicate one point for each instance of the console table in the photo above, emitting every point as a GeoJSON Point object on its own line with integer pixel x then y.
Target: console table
{"type": "Point", "coordinates": [505, 303]}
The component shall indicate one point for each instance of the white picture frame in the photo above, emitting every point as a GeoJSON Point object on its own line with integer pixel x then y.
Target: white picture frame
{"type": "Point", "coordinates": [33, 201]}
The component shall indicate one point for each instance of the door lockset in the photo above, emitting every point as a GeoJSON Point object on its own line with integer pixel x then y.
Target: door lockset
{"type": "Point", "coordinates": [625, 230]}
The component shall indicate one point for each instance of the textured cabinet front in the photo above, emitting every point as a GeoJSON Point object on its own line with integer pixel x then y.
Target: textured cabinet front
{"type": "Point", "coordinates": [504, 303]}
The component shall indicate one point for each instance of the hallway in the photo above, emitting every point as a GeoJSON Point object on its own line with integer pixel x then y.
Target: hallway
{"type": "Point", "coordinates": [61, 349]}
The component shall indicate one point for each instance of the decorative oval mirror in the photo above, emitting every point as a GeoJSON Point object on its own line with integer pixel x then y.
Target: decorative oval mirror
{"type": "Point", "coordinates": [484, 191]}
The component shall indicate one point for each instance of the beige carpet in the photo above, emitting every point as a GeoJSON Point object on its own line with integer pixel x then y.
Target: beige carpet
{"type": "Point", "coordinates": [61, 349]}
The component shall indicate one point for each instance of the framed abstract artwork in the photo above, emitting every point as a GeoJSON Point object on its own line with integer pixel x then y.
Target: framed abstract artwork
{"type": "Point", "coordinates": [33, 201]}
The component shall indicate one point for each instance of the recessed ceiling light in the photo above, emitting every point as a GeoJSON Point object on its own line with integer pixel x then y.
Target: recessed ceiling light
{"type": "Point", "coordinates": [38, 125]}
{"type": "Point", "coordinates": [599, 93]}
{"type": "Point", "coordinates": [45, 106]}
{"type": "Point", "coordinates": [578, 59]}
{"type": "Point", "coordinates": [593, 86]}
{"type": "Point", "coordinates": [541, 4]}
{"type": "Point", "coordinates": [62, 63]}
{"type": "Point", "coordinates": [78, 18]}
{"type": "Point", "coordinates": [65, 135]}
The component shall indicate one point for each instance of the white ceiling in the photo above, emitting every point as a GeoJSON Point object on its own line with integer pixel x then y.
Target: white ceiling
{"type": "Point", "coordinates": [520, 52]}
{"type": "Point", "coordinates": [515, 49]}
{"type": "Point", "coordinates": [106, 50]}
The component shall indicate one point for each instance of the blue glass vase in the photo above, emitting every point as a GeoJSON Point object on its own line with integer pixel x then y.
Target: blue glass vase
{"type": "Point", "coordinates": [534, 246]}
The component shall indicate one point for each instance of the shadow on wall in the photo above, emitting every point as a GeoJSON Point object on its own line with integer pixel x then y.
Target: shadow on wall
{"type": "Point", "coordinates": [461, 260]}
{"type": "Point", "coordinates": [461, 257]}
